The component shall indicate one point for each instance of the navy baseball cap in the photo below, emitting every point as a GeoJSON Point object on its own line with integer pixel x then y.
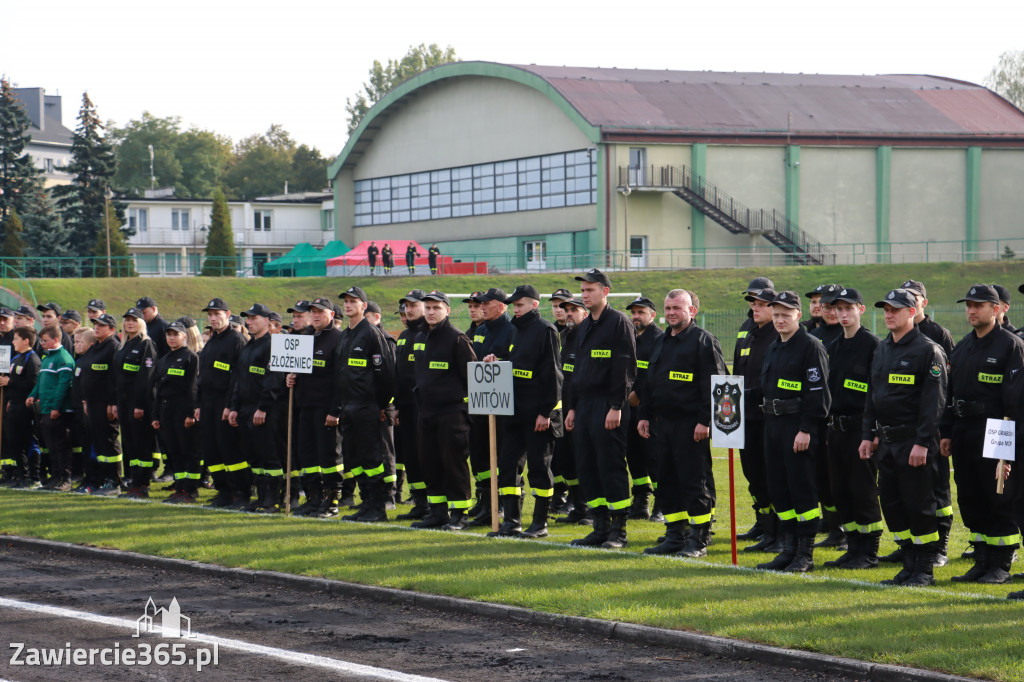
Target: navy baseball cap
{"type": "Point", "coordinates": [561, 295]}
{"type": "Point", "coordinates": [275, 316]}
{"type": "Point", "coordinates": [299, 307]}
{"type": "Point", "coordinates": [25, 311]}
{"type": "Point", "coordinates": [473, 297]}
{"type": "Point", "coordinates": [373, 307]}
{"type": "Point", "coordinates": [106, 319]}
{"type": "Point", "coordinates": [95, 304]}
{"type": "Point", "coordinates": [981, 293]}
{"type": "Point", "coordinates": [71, 315]}
{"type": "Point", "coordinates": [354, 292]}
{"type": "Point", "coordinates": [828, 295]}
{"type": "Point", "coordinates": [133, 312]}
{"type": "Point", "coordinates": [492, 294]}
{"type": "Point", "coordinates": [766, 294]}
{"type": "Point", "coordinates": [898, 298]}
{"type": "Point", "coordinates": [145, 302]}
{"type": "Point", "coordinates": [578, 302]}
{"type": "Point", "coordinates": [187, 322]}
{"type": "Point", "coordinates": [759, 283]}
{"type": "Point", "coordinates": [788, 299]}
{"type": "Point", "coordinates": [412, 296]}
{"type": "Point", "coordinates": [916, 287]}
{"type": "Point", "coordinates": [50, 305]}
{"type": "Point", "coordinates": [6, 312]}
{"type": "Point", "coordinates": [322, 303]}
{"type": "Point", "coordinates": [848, 295]}
{"type": "Point", "coordinates": [257, 310]}
{"type": "Point", "coordinates": [641, 301]}
{"type": "Point", "coordinates": [436, 295]}
{"type": "Point", "coordinates": [176, 326]}
{"type": "Point", "coordinates": [1003, 292]}
{"type": "Point", "coordinates": [596, 276]}
{"type": "Point", "coordinates": [216, 304]}
{"type": "Point", "coordinates": [523, 291]}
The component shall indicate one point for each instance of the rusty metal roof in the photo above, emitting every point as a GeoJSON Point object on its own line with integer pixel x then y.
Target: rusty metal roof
{"type": "Point", "coordinates": [736, 104]}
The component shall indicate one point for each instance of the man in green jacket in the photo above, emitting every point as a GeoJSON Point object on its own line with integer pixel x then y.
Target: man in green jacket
{"type": "Point", "coordinates": [53, 394]}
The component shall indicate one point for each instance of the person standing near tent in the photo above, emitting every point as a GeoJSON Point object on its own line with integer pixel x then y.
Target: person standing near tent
{"type": "Point", "coordinates": [432, 255]}
{"type": "Point", "coordinates": [371, 257]}
{"type": "Point", "coordinates": [388, 256]}
{"type": "Point", "coordinates": [410, 257]}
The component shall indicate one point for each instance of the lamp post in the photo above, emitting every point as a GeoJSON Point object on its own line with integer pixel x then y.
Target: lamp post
{"type": "Point", "coordinates": [195, 247]}
{"type": "Point", "coordinates": [626, 191]}
{"type": "Point", "coordinates": [107, 196]}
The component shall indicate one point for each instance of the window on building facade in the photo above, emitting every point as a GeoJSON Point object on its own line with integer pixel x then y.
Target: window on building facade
{"type": "Point", "coordinates": [179, 219]}
{"type": "Point", "coordinates": [48, 165]}
{"type": "Point", "coordinates": [138, 219]}
{"type": "Point", "coordinates": [637, 166]}
{"type": "Point", "coordinates": [528, 184]}
{"type": "Point", "coordinates": [262, 220]}
{"type": "Point", "coordinates": [147, 263]}
{"type": "Point", "coordinates": [172, 263]}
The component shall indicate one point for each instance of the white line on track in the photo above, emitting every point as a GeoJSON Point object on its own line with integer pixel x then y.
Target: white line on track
{"type": "Point", "coordinates": [296, 657]}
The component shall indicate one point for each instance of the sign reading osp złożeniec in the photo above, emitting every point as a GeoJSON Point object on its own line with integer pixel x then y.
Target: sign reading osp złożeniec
{"type": "Point", "coordinates": [291, 353]}
{"type": "Point", "coordinates": [490, 388]}
{"type": "Point", "coordinates": [1000, 435]}
{"type": "Point", "coordinates": [727, 427]}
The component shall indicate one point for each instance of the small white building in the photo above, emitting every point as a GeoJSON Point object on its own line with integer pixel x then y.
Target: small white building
{"type": "Point", "coordinates": [170, 233]}
{"type": "Point", "coordinates": [50, 143]}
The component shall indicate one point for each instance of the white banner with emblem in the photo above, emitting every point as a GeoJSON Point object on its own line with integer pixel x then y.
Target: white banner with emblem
{"type": "Point", "coordinates": [727, 426]}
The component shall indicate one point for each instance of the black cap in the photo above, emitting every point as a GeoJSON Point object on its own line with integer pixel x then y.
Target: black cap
{"type": "Point", "coordinates": [435, 295]}
{"type": "Point", "coordinates": [981, 293]}
{"type": "Point", "coordinates": [372, 307]}
{"type": "Point", "coordinates": [338, 310]}
{"type": "Point", "coordinates": [413, 296]}
{"type": "Point", "coordinates": [257, 310]}
{"type": "Point", "coordinates": [322, 303]}
{"type": "Point", "coordinates": [216, 304]}
{"type": "Point", "coordinates": [561, 295]}
{"type": "Point", "coordinates": [175, 326]}
{"type": "Point", "coordinates": [133, 312]}
{"type": "Point", "coordinates": [50, 305]}
{"type": "Point", "coordinates": [916, 287]}
{"type": "Point", "coordinates": [145, 302]}
{"type": "Point", "coordinates": [1021, 288]}
{"type": "Point", "coordinates": [6, 312]}
{"type": "Point", "coordinates": [71, 315]}
{"type": "Point", "coordinates": [235, 319]}
{"type": "Point", "coordinates": [759, 283]}
{"type": "Point", "coordinates": [829, 293]}
{"type": "Point", "coordinates": [354, 292]}
{"type": "Point", "coordinates": [849, 295]}
{"type": "Point", "coordinates": [767, 294]}
{"type": "Point", "coordinates": [816, 291]}
{"type": "Point", "coordinates": [25, 311]}
{"type": "Point", "coordinates": [788, 299]}
{"type": "Point", "coordinates": [473, 298]}
{"type": "Point", "coordinates": [187, 322]}
{"type": "Point", "coordinates": [595, 275]}
{"type": "Point", "coordinates": [641, 302]}
{"type": "Point", "coordinates": [107, 319]}
{"type": "Point", "coordinates": [898, 298]}
{"type": "Point", "coordinates": [492, 294]}
{"type": "Point", "coordinates": [1002, 292]}
{"type": "Point", "coordinates": [95, 304]}
{"type": "Point", "coordinates": [275, 316]}
{"type": "Point", "coordinates": [401, 308]}
{"type": "Point", "coordinates": [299, 307]}
{"type": "Point", "coordinates": [578, 302]}
{"type": "Point", "coordinates": [523, 291]}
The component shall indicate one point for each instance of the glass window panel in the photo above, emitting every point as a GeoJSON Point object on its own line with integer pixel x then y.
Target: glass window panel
{"type": "Point", "coordinates": [557, 200]}
{"type": "Point", "coordinates": [483, 208]}
{"type": "Point", "coordinates": [400, 216]}
{"type": "Point", "coordinates": [421, 214]}
{"type": "Point", "coordinates": [483, 170]}
{"type": "Point", "coordinates": [362, 185]}
{"type": "Point", "coordinates": [441, 212]}
{"type": "Point", "coordinates": [483, 195]}
{"type": "Point", "coordinates": [401, 181]}
{"type": "Point", "coordinates": [439, 175]}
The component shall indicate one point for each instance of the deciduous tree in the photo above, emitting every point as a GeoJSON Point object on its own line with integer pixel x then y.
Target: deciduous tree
{"type": "Point", "coordinates": [1007, 77]}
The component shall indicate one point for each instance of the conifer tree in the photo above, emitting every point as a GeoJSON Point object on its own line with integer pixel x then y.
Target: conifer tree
{"type": "Point", "coordinates": [220, 245]}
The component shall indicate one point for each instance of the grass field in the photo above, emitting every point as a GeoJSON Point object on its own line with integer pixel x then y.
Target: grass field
{"type": "Point", "coordinates": [963, 629]}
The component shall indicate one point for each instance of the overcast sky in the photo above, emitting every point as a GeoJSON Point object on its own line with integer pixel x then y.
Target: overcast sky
{"type": "Point", "coordinates": [237, 67]}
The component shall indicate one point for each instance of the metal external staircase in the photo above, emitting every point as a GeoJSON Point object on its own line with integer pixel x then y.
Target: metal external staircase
{"type": "Point", "coordinates": [729, 213]}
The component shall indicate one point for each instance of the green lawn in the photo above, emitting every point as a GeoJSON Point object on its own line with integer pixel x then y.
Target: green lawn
{"type": "Point", "coordinates": [962, 629]}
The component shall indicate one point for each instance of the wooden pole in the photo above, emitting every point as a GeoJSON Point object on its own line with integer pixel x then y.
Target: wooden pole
{"type": "Point", "coordinates": [492, 427]}
{"type": "Point", "coordinates": [1000, 475]}
{"type": "Point", "coordinates": [288, 458]}
{"type": "Point", "coordinates": [732, 506]}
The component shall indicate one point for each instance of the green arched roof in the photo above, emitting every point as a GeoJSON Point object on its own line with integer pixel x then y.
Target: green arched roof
{"type": "Point", "coordinates": [362, 137]}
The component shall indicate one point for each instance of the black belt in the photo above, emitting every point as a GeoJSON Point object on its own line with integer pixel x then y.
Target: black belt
{"type": "Point", "coordinates": [845, 422]}
{"type": "Point", "coordinates": [895, 434]}
{"type": "Point", "coordinates": [776, 407]}
{"type": "Point", "coordinates": [968, 408]}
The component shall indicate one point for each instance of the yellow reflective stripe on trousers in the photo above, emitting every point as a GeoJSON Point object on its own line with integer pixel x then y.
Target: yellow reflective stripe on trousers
{"type": "Point", "coordinates": [678, 516]}
{"type": "Point", "coordinates": [257, 472]}
{"type": "Point", "coordinates": [276, 473]}
{"type": "Point", "coordinates": [944, 511]}
{"type": "Point", "coordinates": [459, 504]}
{"type": "Point", "coordinates": [786, 515]}
{"type": "Point", "coordinates": [483, 475]}
{"type": "Point", "coordinates": [7, 462]}
{"type": "Point", "coordinates": [877, 526]}
{"type": "Point", "coordinates": [621, 504]}
{"type": "Point", "coordinates": [1004, 541]}
{"type": "Point", "coordinates": [418, 485]}
{"type": "Point", "coordinates": [924, 539]}
{"type": "Point", "coordinates": [237, 467]}
{"type": "Point", "coordinates": [399, 466]}
{"type": "Point", "coordinates": [143, 463]}
{"type": "Point", "coordinates": [901, 534]}
{"type": "Point", "coordinates": [514, 490]}
{"type": "Point", "coordinates": [597, 502]}
{"type": "Point", "coordinates": [310, 470]}
{"type": "Point", "coordinates": [331, 470]}
{"type": "Point", "coordinates": [641, 481]}
{"type": "Point", "coordinates": [572, 481]}
{"type": "Point", "coordinates": [808, 515]}
{"type": "Point", "coordinates": [390, 479]}
{"type": "Point", "coordinates": [543, 492]}
{"type": "Point", "coordinates": [109, 460]}
{"type": "Point", "coordinates": [436, 499]}
{"type": "Point", "coordinates": [700, 520]}
{"type": "Point", "coordinates": [376, 471]}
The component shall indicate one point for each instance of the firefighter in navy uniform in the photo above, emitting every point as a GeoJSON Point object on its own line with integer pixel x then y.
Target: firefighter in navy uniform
{"type": "Point", "coordinates": [1004, 307]}
{"type": "Point", "coordinates": [410, 257]}
{"type": "Point", "coordinates": [406, 418]}
{"type": "Point", "coordinates": [132, 371]}
{"type": "Point", "coordinates": [640, 457]}
{"type": "Point", "coordinates": [752, 342]}
{"type": "Point", "coordinates": [853, 481]}
{"type": "Point", "coordinates": [173, 411]}
{"type": "Point", "coordinates": [605, 368]}
{"type": "Point", "coordinates": [221, 453]}
{"type": "Point", "coordinates": [1013, 398]}
{"type": "Point", "coordinates": [979, 365]}
{"type": "Point", "coordinates": [364, 388]}
{"type": "Point", "coordinates": [319, 457]}
{"type": "Point", "coordinates": [676, 416]}
{"type": "Point", "coordinates": [371, 256]}
{"type": "Point", "coordinates": [18, 427]}
{"type": "Point", "coordinates": [794, 382]}
{"type": "Point", "coordinates": [829, 329]}
{"type": "Point", "coordinates": [442, 354]}
{"type": "Point", "coordinates": [564, 461]}
{"type": "Point", "coordinates": [394, 476]}
{"type": "Point", "coordinates": [528, 437]}
{"type": "Point", "coordinates": [906, 397]}
{"type": "Point", "coordinates": [814, 318]}
{"type": "Point", "coordinates": [156, 326]}
{"type": "Point", "coordinates": [432, 255]}
{"type": "Point", "coordinates": [99, 397]}
{"type": "Point", "coordinates": [560, 503]}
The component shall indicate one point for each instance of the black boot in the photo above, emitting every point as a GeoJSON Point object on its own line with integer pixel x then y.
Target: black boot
{"type": "Point", "coordinates": [941, 556]}
{"type": "Point", "coordinates": [771, 539]}
{"type": "Point", "coordinates": [1000, 561]}
{"type": "Point", "coordinates": [656, 515]}
{"type": "Point", "coordinates": [348, 492]}
{"type": "Point", "coordinates": [756, 531]}
{"type": "Point", "coordinates": [314, 497]}
{"type": "Point", "coordinates": [261, 486]}
{"type": "Point", "coordinates": [697, 541]}
{"type": "Point", "coordinates": [420, 508]}
{"type": "Point", "coordinates": [376, 494]}
{"type": "Point", "coordinates": [329, 503]}
{"type": "Point", "coordinates": [924, 561]}
{"type": "Point", "coordinates": [539, 527]}
{"type": "Point", "coordinates": [867, 551]}
{"type": "Point", "coordinates": [398, 484]}
{"type": "Point", "coordinates": [457, 520]}
{"type": "Point", "coordinates": [437, 517]}
{"type": "Point", "coordinates": [803, 560]}
{"type": "Point", "coordinates": [672, 541]}
{"type": "Point", "coordinates": [785, 558]}
{"type": "Point", "coordinates": [853, 549]}
{"type": "Point", "coordinates": [272, 499]}
{"type": "Point", "coordinates": [909, 565]}
{"type": "Point", "coordinates": [560, 503]}
{"type": "Point", "coordinates": [599, 534]}
{"type": "Point", "coordinates": [896, 556]}
{"type": "Point", "coordinates": [980, 567]}
{"type": "Point", "coordinates": [580, 513]}
{"type": "Point", "coordinates": [512, 525]}
{"type": "Point", "coordinates": [836, 535]}
{"type": "Point", "coordinates": [640, 509]}
{"type": "Point", "coordinates": [480, 514]}
{"type": "Point", "coordinates": [616, 533]}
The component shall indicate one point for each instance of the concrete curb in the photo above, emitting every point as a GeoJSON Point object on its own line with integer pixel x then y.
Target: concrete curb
{"type": "Point", "coordinates": [626, 632]}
